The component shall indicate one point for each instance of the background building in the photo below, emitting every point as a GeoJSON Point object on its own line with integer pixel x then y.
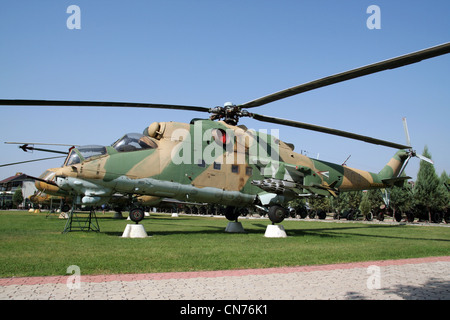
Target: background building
{"type": "Point", "coordinates": [9, 186]}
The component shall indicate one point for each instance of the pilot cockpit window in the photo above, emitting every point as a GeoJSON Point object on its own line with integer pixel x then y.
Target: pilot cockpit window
{"type": "Point", "coordinates": [91, 151]}
{"type": "Point", "coordinates": [134, 142]}
{"type": "Point", "coordinates": [86, 153]}
{"type": "Point", "coordinates": [72, 159]}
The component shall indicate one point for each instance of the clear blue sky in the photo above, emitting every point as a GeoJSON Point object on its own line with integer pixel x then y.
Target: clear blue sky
{"type": "Point", "coordinates": [208, 52]}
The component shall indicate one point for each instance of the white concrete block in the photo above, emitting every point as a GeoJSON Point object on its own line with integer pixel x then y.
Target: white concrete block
{"type": "Point", "coordinates": [134, 231]}
{"type": "Point", "coordinates": [275, 231]}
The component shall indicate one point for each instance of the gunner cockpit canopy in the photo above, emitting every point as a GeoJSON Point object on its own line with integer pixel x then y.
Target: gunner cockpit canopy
{"type": "Point", "coordinates": [134, 142]}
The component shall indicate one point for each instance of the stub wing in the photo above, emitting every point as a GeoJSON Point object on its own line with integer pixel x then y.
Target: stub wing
{"type": "Point", "coordinates": [299, 190]}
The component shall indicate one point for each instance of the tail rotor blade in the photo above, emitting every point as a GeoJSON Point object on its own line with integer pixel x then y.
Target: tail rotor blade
{"type": "Point", "coordinates": [405, 127]}
{"type": "Point", "coordinates": [421, 157]}
{"type": "Point", "coordinates": [408, 142]}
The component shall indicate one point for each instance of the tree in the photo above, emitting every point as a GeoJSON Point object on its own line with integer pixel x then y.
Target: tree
{"type": "Point", "coordinates": [402, 201]}
{"type": "Point", "coordinates": [427, 191]}
{"type": "Point", "coordinates": [17, 197]}
{"type": "Point", "coordinates": [365, 206]}
{"type": "Point", "coordinates": [354, 199]}
{"type": "Point", "coordinates": [445, 200]}
{"type": "Point", "coordinates": [340, 202]}
{"type": "Point", "coordinates": [320, 206]}
{"type": "Point", "coordinates": [445, 180]}
{"type": "Point", "coordinates": [375, 199]}
{"type": "Point", "coordinates": [445, 185]}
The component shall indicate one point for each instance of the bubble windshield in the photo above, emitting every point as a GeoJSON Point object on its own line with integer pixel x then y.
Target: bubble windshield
{"type": "Point", "coordinates": [91, 151]}
{"type": "Point", "coordinates": [134, 142]}
{"type": "Point", "coordinates": [86, 152]}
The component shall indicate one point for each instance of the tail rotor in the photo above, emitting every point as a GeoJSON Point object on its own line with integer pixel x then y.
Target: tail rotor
{"type": "Point", "coordinates": [413, 153]}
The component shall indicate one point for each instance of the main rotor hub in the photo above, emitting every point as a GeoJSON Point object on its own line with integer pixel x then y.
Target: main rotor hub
{"type": "Point", "coordinates": [230, 113]}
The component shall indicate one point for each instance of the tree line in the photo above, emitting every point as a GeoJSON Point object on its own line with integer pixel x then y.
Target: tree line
{"type": "Point", "coordinates": [427, 199]}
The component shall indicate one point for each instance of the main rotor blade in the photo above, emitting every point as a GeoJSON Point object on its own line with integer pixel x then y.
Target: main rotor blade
{"type": "Point", "coordinates": [43, 144]}
{"type": "Point", "coordinates": [30, 146]}
{"type": "Point", "coordinates": [335, 132]}
{"type": "Point", "coordinates": [65, 103]}
{"type": "Point", "coordinates": [21, 162]}
{"type": "Point", "coordinates": [43, 180]}
{"type": "Point", "coordinates": [351, 74]}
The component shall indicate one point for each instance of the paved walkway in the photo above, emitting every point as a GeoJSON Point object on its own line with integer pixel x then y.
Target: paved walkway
{"type": "Point", "coordinates": [423, 279]}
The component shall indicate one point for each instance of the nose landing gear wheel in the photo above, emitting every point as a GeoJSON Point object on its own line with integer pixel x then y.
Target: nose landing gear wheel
{"type": "Point", "coordinates": [137, 215]}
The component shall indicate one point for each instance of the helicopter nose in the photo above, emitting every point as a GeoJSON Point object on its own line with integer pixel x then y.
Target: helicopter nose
{"type": "Point", "coordinates": [46, 183]}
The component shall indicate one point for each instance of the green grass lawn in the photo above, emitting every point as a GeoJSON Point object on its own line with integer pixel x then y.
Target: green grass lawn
{"type": "Point", "coordinates": [33, 245]}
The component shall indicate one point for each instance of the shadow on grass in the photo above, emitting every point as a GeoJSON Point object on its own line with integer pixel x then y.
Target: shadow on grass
{"type": "Point", "coordinates": [363, 231]}
{"type": "Point", "coordinates": [344, 231]}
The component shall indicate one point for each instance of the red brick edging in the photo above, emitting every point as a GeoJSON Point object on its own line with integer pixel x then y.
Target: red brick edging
{"type": "Point", "coordinates": [213, 274]}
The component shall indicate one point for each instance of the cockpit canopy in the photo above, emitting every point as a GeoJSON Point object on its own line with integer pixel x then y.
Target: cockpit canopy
{"type": "Point", "coordinates": [134, 142]}
{"type": "Point", "coordinates": [86, 152]}
{"type": "Point", "coordinates": [129, 142]}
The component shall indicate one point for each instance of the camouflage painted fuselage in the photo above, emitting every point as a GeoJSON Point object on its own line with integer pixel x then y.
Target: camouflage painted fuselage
{"type": "Point", "coordinates": [209, 162]}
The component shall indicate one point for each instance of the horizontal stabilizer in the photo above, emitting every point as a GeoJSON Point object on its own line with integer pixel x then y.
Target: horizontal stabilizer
{"type": "Point", "coordinates": [395, 181]}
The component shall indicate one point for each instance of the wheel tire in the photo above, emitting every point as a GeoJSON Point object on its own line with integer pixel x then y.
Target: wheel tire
{"type": "Point", "coordinates": [231, 213]}
{"type": "Point", "coordinates": [447, 217]}
{"type": "Point", "coordinates": [322, 215]}
{"type": "Point", "coordinates": [137, 215]}
{"type": "Point", "coordinates": [277, 214]}
{"type": "Point", "coordinates": [243, 212]}
{"type": "Point", "coordinates": [437, 217]}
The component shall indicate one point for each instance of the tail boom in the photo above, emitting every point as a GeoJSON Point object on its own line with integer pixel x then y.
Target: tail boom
{"type": "Point", "coordinates": [355, 179]}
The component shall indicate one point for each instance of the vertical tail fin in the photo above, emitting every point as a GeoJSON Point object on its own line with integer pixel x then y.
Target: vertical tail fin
{"type": "Point", "coordinates": [393, 168]}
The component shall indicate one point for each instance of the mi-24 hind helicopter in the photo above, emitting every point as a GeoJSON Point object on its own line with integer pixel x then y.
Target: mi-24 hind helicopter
{"type": "Point", "coordinates": [216, 160]}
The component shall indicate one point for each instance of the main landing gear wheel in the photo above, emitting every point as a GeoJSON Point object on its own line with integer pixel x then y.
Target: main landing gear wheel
{"type": "Point", "coordinates": [137, 230]}
{"type": "Point", "coordinates": [137, 214]}
{"type": "Point", "coordinates": [276, 214]}
{"type": "Point", "coordinates": [231, 213]}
